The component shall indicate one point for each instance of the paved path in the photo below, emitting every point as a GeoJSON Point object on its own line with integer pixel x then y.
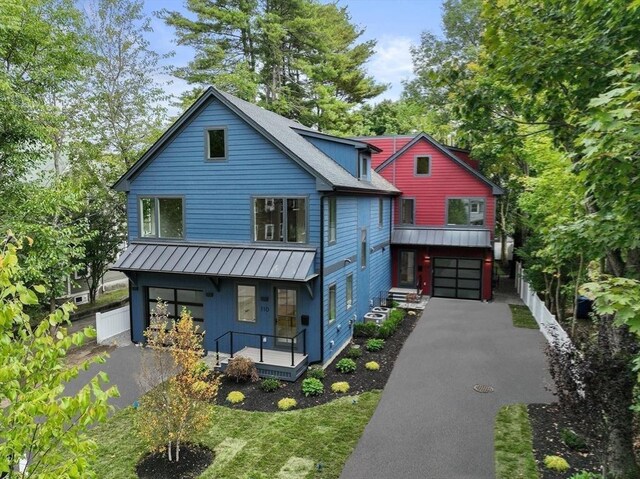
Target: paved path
{"type": "Point", "coordinates": [430, 423]}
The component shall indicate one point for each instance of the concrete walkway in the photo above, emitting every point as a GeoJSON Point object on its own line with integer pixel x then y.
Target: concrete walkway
{"type": "Point", "coordinates": [430, 423]}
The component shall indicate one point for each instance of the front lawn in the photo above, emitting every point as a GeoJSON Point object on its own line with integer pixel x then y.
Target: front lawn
{"type": "Point", "coordinates": [522, 317]}
{"type": "Point", "coordinates": [513, 444]}
{"type": "Point", "coordinates": [306, 443]}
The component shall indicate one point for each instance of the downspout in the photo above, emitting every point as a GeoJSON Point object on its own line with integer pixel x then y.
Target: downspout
{"type": "Point", "coordinates": [322, 197]}
{"type": "Point", "coordinates": [130, 311]}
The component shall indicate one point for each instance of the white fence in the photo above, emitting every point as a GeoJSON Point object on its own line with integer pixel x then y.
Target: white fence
{"type": "Point", "coordinates": [549, 327]}
{"type": "Point", "coordinates": [112, 323]}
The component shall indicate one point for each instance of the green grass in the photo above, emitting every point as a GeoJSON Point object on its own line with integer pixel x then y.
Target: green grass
{"type": "Point", "coordinates": [513, 444]}
{"type": "Point", "coordinates": [103, 299]}
{"type": "Point", "coordinates": [253, 445]}
{"type": "Point", "coordinates": [522, 317]}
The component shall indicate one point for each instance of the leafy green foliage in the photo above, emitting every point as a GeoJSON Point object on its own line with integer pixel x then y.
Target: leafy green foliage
{"type": "Point", "coordinates": [556, 463]}
{"type": "Point", "coordinates": [286, 404]}
{"type": "Point", "coordinates": [365, 330]}
{"type": "Point", "coordinates": [316, 372]}
{"type": "Point", "coordinates": [586, 475]}
{"type": "Point", "coordinates": [270, 384]}
{"type": "Point", "coordinates": [354, 353]}
{"type": "Point", "coordinates": [341, 387]}
{"type": "Point", "coordinates": [346, 365]}
{"type": "Point", "coordinates": [235, 397]}
{"type": "Point", "coordinates": [390, 325]}
{"type": "Point", "coordinates": [573, 440]}
{"type": "Point", "coordinates": [39, 421]}
{"type": "Point", "coordinates": [312, 387]}
{"type": "Point", "coordinates": [374, 344]}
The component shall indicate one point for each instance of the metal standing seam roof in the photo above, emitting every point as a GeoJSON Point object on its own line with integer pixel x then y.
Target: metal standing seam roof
{"type": "Point", "coordinates": [442, 237]}
{"type": "Point", "coordinates": [292, 264]}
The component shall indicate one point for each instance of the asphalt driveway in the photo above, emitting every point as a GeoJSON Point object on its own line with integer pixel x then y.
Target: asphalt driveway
{"type": "Point", "coordinates": [430, 423]}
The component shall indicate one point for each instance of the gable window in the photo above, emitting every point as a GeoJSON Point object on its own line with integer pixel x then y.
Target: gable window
{"type": "Point", "coordinates": [333, 220]}
{"type": "Point", "coordinates": [216, 144]}
{"type": "Point", "coordinates": [177, 299]}
{"type": "Point", "coordinates": [465, 212]}
{"type": "Point", "coordinates": [161, 217]}
{"type": "Point", "coordinates": [246, 303]}
{"type": "Point", "coordinates": [363, 248]}
{"type": "Point", "coordinates": [349, 291]}
{"type": "Point", "coordinates": [423, 166]}
{"type": "Point", "coordinates": [363, 166]}
{"type": "Point", "coordinates": [332, 303]}
{"type": "Point", "coordinates": [280, 220]}
{"type": "Point", "coordinates": [380, 212]}
{"type": "Point", "coordinates": [407, 211]}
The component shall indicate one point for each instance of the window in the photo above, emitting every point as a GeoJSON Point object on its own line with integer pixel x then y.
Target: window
{"type": "Point", "coordinates": [407, 207]}
{"type": "Point", "coordinates": [333, 223]}
{"type": "Point", "coordinates": [465, 212]}
{"type": "Point", "coordinates": [332, 303]}
{"type": "Point", "coordinates": [423, 165]}
{"type": "Point", "coordinates": [82, 273]}
{"type": "Point", "coordinates": [363, 166]}
{"type": "Point", "coordinates": [363, 249]}
{"type": "Point", "coordinates": [217, 144]}
{"type": "Point", "coordinates": [161, 218]}
{"type": "Point", "coordinates": [176, 299]}
{"type": "Point", "coordinates": [246, 303]}
{"type": "Point", "coordinates": [380, 212]}
{"type": "Point", "coordinates": [280, 219]}
{"type": "Point", "coordinates": [349, 291]}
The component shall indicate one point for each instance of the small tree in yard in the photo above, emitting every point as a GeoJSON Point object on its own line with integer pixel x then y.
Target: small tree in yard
{"type": "Point", "coordinates": [178, 408]}
{"type": "Point", "coordinates": [41, 425]}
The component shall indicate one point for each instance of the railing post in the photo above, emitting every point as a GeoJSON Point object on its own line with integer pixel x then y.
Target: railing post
{"type": "Point", "coordinates": [217, 353]}
{"type": "Point", "coordinates": [304, 341]}
{"type": "Point", "coordinates": [293, 343]}
{"type": "Point", "coordinates": [231, 343]}
{"type": "Point", "coordinates": [261, 359]}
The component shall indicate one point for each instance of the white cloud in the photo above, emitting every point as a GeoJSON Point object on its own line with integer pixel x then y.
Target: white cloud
{"type": "Point", "coordinates": [391, 64]}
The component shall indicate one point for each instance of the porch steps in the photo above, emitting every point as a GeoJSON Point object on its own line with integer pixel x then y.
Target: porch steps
{"type": "Point", "coordinates": [400, 295]}
{"type": "Point", "coordinates": [275, 364]}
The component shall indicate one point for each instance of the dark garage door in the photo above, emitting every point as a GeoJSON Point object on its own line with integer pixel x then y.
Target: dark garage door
{"type": "Point", "coordinates": [457, 278]}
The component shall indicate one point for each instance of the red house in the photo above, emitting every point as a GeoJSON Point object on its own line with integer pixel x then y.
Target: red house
{"type": "Point", "coordinates": [442, 242]}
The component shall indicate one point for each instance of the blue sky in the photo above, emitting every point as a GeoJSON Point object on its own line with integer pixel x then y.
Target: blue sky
{"type": "Point", "coordinates": [394, 24]}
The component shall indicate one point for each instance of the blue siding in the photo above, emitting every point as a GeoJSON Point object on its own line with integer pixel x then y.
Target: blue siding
{"type": "Point", "coordinates": [345, 155]}
{"type": "Point", "coordinates": [380, 260]}
{"type": "Point", "coordinates": [220, 310]}
{"type": "Point", "coordinates": [218, 193]}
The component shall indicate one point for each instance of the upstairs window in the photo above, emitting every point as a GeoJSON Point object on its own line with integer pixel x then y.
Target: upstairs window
{"type": "Point", "coordinates": [423, 166]}
{"type": "Point", "coordinates": [332, 303]}
{"type": "Point", "coordinates": [162, 217]}
{"type": "Point", "coordinates": [216, 144]}
{"type": "Point", "coordinates": [465, 212]}
{"type": "Point", "coordinates": [349, 292]}
{"type": "Point", "coordinates": [380, 212]}
{"type": "Point", "coordinates": [333, 220]}
{"type": "Point", "coordinates": [363, 249]}
{"type": "Point", "coordinates": [364, 162]}
{"type": "Point", "coordinates": [281, 220]}
{"type": "Point", "coordinates": [407, 211]}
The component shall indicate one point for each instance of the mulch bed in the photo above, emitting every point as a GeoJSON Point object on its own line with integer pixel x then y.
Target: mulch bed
{"type": "Point", "coordinates": [194, 459]}
{"type": "Point", "coordinates": [360, 381]}
{"type": "Point", "coordinates": [547, 422]}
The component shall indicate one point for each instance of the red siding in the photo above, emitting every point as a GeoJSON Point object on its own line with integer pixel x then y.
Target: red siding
{"type": "Point", "coordinates": [389, 145]}
{"type": "Point", "coordinates": [464, 156]}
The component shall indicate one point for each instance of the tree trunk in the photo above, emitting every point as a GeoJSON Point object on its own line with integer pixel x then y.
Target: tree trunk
{"type": "Point", "coordinates": [575, 297]}
{"type": "Point", "coordinates": [559, 308]}
{"type": "Point", "coordinates": [169, 452]}
{"type": "Point", "coordinates": [178, 450]}
{"type": "Point", "coordinates": [620, 455]}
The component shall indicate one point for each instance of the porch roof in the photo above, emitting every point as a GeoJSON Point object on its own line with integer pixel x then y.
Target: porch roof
{"type": "Point", "coordinates": [468, 238]}
{"type": "Point", "coordinates": [240, 261]}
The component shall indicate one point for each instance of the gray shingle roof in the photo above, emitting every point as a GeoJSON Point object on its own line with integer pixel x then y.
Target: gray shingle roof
{"type": "Point", "coordinates": [240, 261]}
{"type": "Point", "coordinates": [476, 238]}
{"type": "Point", "coordinates": [281, 131]}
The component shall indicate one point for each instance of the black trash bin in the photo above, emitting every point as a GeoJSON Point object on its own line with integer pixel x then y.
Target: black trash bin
{"type": "Point", "coordinates": [584, 307]}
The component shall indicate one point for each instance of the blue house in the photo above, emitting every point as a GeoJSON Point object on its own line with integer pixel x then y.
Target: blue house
{"type": "Point", "coordinates": [274, 236]}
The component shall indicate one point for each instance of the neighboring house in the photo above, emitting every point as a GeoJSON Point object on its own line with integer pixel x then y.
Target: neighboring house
{"type": "Point", "coordinates": [78, 287]}
{"type": "Point", "coordinates": [272, 234]}
{"type": "Point", "coordinates": [443, 222]}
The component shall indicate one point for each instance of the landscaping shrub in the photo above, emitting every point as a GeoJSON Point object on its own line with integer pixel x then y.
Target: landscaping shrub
{"type": "Point", "coordinates": [396, 315]}
{"type": "Point", "coordinates": [390, 325]}
{"type": "Point", "coordinates": [354, 353]}
{"type": "Point", "coordinates": [269, 385]}
{"type": "Point", "coordinates": [340, 387]}
{"type": "Point", "coordinates": [365, 330]}
{"type": "Point", "coordinates": [372, 366]}
{"type": "Point", "coordinates": [242, 369]}
{"type": "Point", "coordinates": [586, 475]}
{"type": "Point", "coordinates": [287, 403]}
{"type": "Point", "coordinates": [312, 387]}
{"type": "Point", "coordinates": [573, 440]}
{"type": "Point", "coordinates": [556, 463]}
{"type": "Point", "coordinates": [235, 397]}
{"type": "Point", "coordinates": [346, 365]}
{"type": "Point", "coordinates": [201, 369]}
{"type": "Point", "coordinates": [374, 344]}
{"type": "Point", "coordinates": [315, 372]}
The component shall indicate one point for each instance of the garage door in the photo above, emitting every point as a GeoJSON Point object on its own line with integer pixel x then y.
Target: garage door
{"type": "Point", "coordinates": [457, 278]}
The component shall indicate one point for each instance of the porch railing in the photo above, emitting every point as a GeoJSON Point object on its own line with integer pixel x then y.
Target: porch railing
{"type": "Point", "coordinates": [262, 337]}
